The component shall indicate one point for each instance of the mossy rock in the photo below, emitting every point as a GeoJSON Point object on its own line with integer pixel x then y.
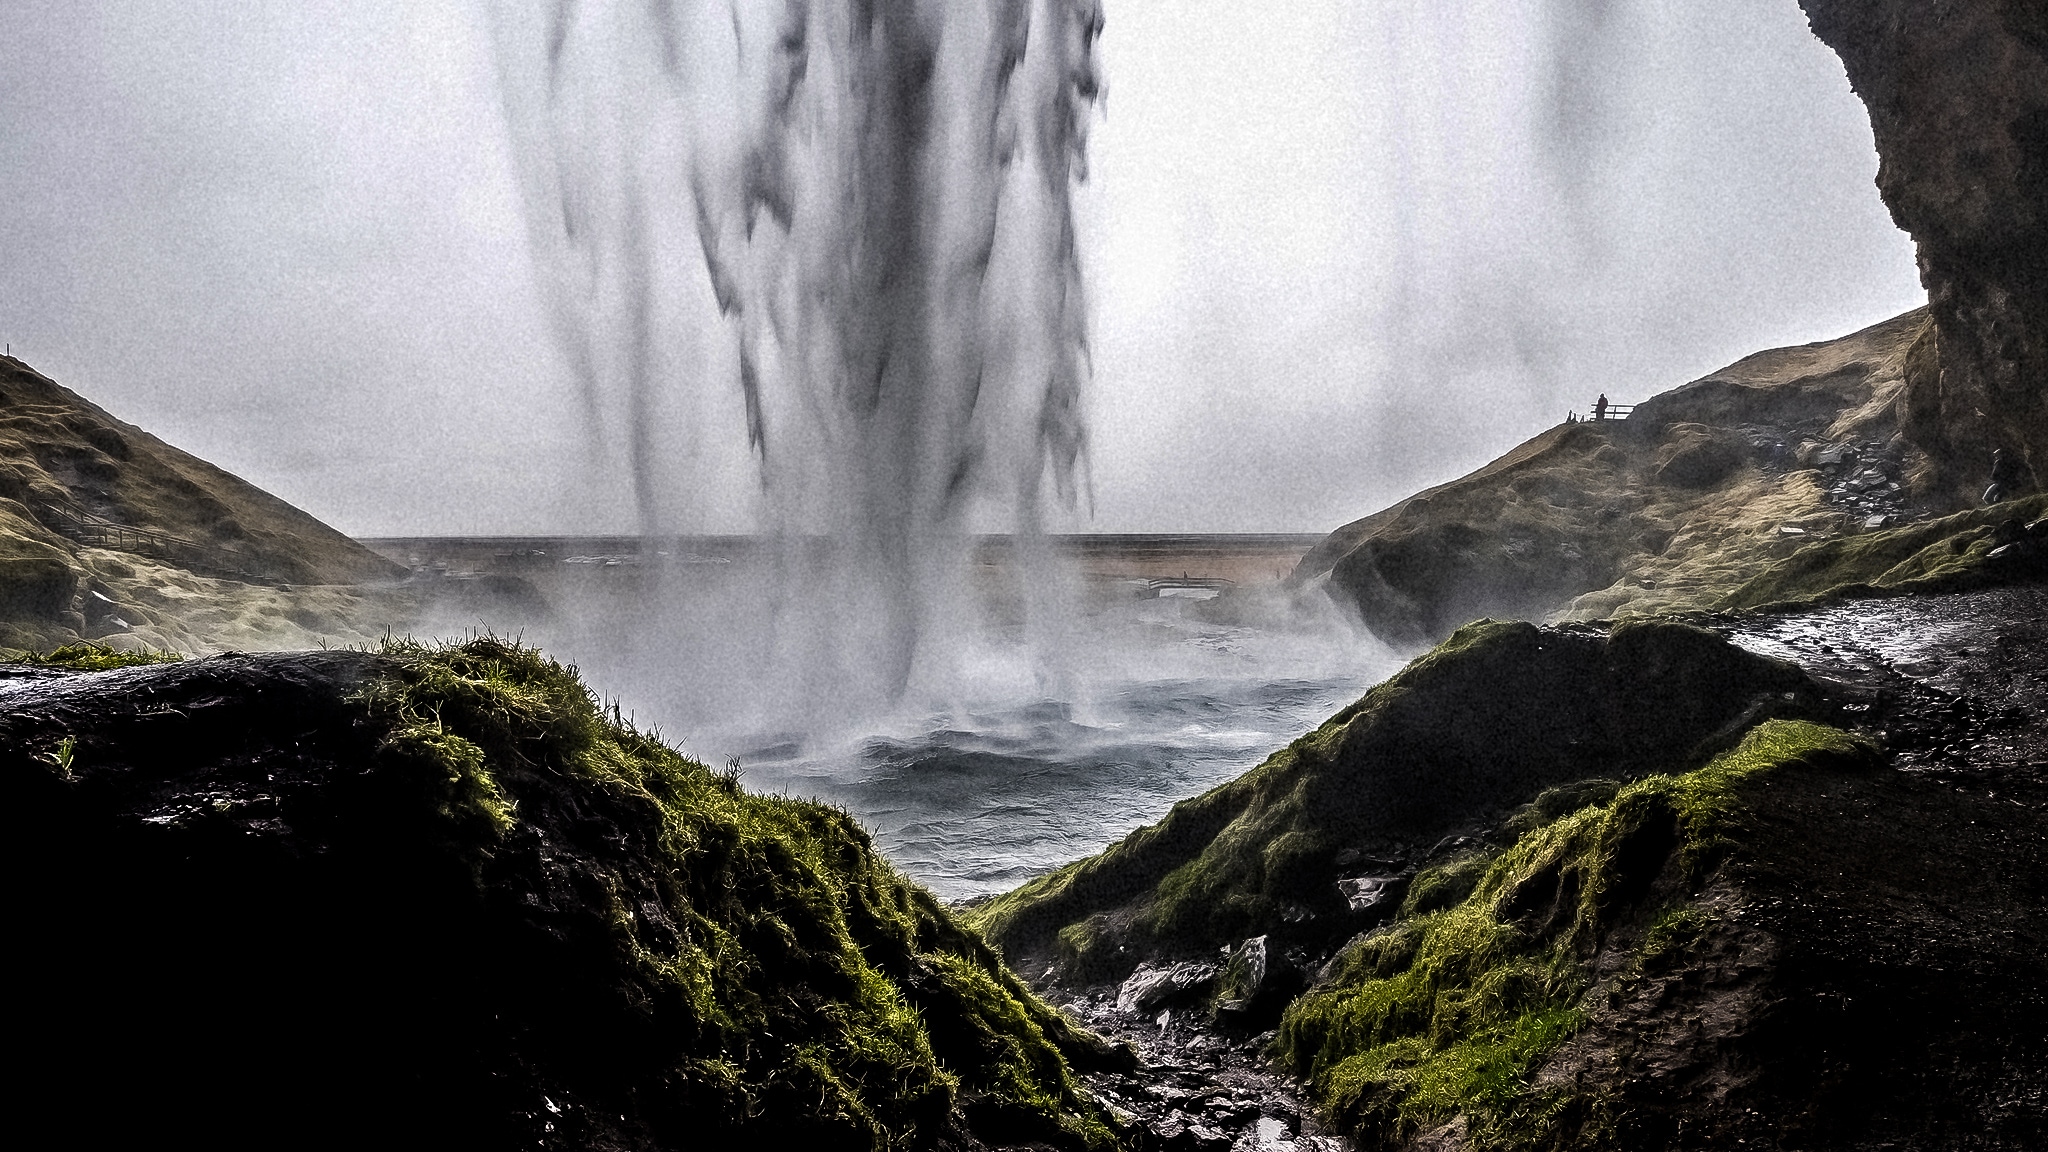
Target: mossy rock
{"type": "Point", "coordinates": [1461, 737]}
{"type": "Point", "coordinates": [443, 897]}
{"type": "Point", "coordinates": [1449, 1012]}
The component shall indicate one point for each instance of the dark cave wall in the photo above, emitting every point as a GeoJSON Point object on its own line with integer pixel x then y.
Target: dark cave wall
{"type": "Point", "coordinates": [1958, 98]}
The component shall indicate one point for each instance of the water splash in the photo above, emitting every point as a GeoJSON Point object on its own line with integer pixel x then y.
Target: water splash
{"type": "Point", "coordinates": [876, 195]}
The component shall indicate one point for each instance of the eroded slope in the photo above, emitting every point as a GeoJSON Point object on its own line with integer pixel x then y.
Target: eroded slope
{"type": "Point", "coordinates": [72, 478]}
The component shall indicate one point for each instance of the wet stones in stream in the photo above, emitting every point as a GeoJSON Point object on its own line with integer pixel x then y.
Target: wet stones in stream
{"type": "Point", "coordinates": [1199, 1089]}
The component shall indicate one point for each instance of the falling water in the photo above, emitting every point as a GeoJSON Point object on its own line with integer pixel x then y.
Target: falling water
{"type": "Point", "coordinates": [876, 194]}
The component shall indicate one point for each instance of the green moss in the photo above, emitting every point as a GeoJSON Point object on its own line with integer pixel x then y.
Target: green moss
{"type": "Point", "coordinates": [805, 975]}
{"type": "Point", "coordinates": [89, 657]}
{"type": "Point", "coordinates": [1450, 1011]}
{"type": "Point", "coordinates": [1671, 934]}
{"type": "Point", "coordinates": [1498, 712]}
{"type": "Point", "coordinates": [1934, 556]}
{"type": "Point", "coordinates": [1441, 886]}
{"type": "Point", "coordinates": [1562, 800]}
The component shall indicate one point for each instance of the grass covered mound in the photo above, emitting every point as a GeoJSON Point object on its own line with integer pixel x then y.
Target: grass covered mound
{"type": "Point", "coordinates": [1483, 723]}
{"type": "Point", "coordinates": [1952, 554]}
{"type": "Point", "coordinates": [1449, 1012]}
{"type": "Point", "coordinates": [63, 456]}
{"type": "Point", "coordinates": [441, 895]}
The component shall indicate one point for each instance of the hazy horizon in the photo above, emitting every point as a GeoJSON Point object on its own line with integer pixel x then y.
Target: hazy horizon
{"type": "Point", "coordinates": [1334, 254]}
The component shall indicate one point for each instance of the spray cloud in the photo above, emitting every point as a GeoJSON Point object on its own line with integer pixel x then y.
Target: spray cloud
{"type": "Point", "coordinates": [876, 195]}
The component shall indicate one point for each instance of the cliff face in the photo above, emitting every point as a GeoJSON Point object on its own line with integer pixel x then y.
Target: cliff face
{"type": "Point", "coordinates": [1958, 99]}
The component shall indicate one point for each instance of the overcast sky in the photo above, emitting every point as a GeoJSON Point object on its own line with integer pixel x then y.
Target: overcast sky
{"type": "Point", "coordinates": [1337, 251]}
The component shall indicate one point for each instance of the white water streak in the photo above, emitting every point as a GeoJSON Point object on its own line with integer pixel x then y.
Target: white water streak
{"type": "Point", "coordinates": [876, 194]}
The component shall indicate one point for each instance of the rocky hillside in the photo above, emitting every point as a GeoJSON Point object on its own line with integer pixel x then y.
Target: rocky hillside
{"type": "Point", "coordinates": [443, 899]}
{"type": "Point", "coordinates": [1701, 492]}
{"type": "Point", "coordinates": [108, 533]}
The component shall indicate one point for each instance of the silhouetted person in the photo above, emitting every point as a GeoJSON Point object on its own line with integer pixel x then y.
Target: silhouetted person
{"type": "Point", "coordinates": [2005, 474]}
{"type": "Point", "coordinates": [1600, 407]}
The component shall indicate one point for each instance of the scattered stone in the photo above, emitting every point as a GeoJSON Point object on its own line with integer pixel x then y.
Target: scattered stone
{"type": "Point", "coordinates": [1153, 988]}
{"type": "Point", "coordinates": [1367, 892]}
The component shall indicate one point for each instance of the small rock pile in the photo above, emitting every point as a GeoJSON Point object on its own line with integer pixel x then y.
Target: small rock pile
{"type": "Point", "coordinates": [1199, 1089]}
{"type": "Point", "coordinates": [1861, 478]}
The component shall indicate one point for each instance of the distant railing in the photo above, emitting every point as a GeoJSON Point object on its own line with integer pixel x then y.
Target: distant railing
{"type": "Point", "coordinates": [100, 532]}
{"type": "Point", "coordinates": [1603, 412]}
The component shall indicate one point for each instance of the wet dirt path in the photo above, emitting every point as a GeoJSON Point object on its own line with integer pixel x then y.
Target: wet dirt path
{"type": "Point", "coordinates": [1953, 685]}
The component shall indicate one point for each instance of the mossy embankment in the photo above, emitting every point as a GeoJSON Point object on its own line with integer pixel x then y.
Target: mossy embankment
{"type": "Point", "coordinates": [1450, 1013]}
{"type": "Point", "coordinates": [442, 896]}
{"type": "Point", "coordinates": [1447, 747]}
{"type": "Point", "coordinates": [1828, 933]}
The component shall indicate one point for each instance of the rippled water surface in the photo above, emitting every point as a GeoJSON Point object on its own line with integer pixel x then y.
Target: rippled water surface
{"type": "Point", "coordinates": [1017, 757]}
{"type": "Point", "coordinates": [977, 799]}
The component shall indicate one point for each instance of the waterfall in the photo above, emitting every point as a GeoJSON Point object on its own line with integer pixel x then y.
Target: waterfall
{"type": "Point", "coordinates": [876, 194]}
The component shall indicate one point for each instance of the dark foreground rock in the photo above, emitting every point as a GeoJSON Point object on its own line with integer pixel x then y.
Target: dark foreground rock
{"type": "Point", "coordinates": [441, 899]}
{"type": "Point", "coordinates": [1322, 840]}
{"type": "Point", "coordinates": [1829, 935]}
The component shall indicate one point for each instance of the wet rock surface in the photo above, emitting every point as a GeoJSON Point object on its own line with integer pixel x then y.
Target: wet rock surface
{"type": "Point", "coordinates": [1949, 685]}
{"type": "Point", "coordinates": [1958, 100]}
{"type": "Point", "coordinates": [1200, 1087]}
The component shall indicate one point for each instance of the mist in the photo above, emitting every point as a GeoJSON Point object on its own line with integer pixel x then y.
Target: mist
{"type": "Point", "coordinates": [290, 238]}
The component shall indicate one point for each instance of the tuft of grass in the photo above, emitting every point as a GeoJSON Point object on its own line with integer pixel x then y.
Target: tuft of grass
{"type": "Point", "coordinates": [1451, 1009]}
{"type": "Point", "coordinates": [64, 756]}
{"type": "Point", "coordinates": [804, 978]}
{"type": "Point", "coordinates": [1671, 934]}
{"type": "Point", "coordinates": [86, 656]}
{"type": "Point", "coordinates": [1445, 885]}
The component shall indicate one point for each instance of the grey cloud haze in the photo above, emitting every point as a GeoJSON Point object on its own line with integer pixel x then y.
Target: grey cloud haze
{"type": "Point", "coordinates": [1336, 250]}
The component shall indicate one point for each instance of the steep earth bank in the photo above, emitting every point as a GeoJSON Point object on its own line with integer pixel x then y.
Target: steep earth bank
{"type": "Point", "coordinates": [109, 534]}
{"type": "Point", "coordinates": [1790, 460]}
{"type": "Point", "coordinates": [443, 899]}
{"type": "Point", "coordinates": [1826, 934]}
